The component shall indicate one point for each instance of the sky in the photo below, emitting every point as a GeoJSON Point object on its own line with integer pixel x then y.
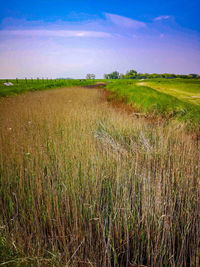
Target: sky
{"type": "Point", "coordinates": [64, 38]}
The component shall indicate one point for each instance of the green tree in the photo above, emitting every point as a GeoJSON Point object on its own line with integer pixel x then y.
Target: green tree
{"type": "Point", "coordinates": [193, 76]}
{"type": "Point", "coordinates": [113, 75]}
{"type": "Point", "coordinates": [131, 74]}
{"type": "Point", "coordinates": [90, 76]}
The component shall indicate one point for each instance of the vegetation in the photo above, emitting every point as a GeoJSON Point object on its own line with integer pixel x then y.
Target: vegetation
{"type": "Point", "coordinates": [133, 74]}
{"type": "Point", "coordinates": [155, 97]}
{"type": "Point", "coordinates": [113, 75]}
{"type": "Point", "coordinates": [22, 86]}
{"type": "Point", "coordinates": [86, 184]}
{"type": "Point", "coordinates": [185, 89]}
{"type": "Point", "coordinates": [90, 76]}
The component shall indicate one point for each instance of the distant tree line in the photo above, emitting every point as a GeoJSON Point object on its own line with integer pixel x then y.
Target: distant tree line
{"type": "Point", "coordinates": [133, 74]}
{"type": "Point", "coordinates": [90, 76]}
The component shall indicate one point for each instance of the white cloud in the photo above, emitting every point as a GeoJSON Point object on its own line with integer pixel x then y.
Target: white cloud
{"type": "Point", "coordinates": [124, 21]}
{"type": "Point", "coordinates": [161, 18]}
{"type": "Point", "coordinates": [56, 33]}
{"type": "Point", "coordinates": [111, 26]}
{"type": "Point", "coordinates": [100, 45]}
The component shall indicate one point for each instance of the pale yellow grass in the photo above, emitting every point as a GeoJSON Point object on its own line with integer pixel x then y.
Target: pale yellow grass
{"type": "Point", "coordinates": [177, 92]}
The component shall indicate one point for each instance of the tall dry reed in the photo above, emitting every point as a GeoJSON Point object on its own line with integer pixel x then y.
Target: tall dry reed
{"type": "Point", "coordinates": [84, 184]}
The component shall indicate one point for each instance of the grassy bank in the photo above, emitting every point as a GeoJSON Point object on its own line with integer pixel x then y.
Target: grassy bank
{"type": "Point", "coordinates": [145, 97]}
{"type": "Point", "coordinates": [185, 89]}
{"type": "Point", "coordinates": [23, 86]}
{"type": "Point", "coordinates": [83, 184]}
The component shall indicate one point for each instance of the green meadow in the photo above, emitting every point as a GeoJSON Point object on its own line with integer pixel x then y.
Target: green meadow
{"type": "Point", "coordinates": [23, 85]}
{"type": "Point", "coordinates": [171, 98]}
{"type": "Point", "coordinates": [185, 89]}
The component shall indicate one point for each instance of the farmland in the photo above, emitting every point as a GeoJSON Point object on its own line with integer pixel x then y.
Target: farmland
{"type": "Point", "coordinates": [85, 182]}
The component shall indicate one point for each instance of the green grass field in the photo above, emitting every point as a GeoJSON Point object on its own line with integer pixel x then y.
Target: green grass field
{"type": "Point", "coordinates": [187, 90]}
{"type": "Point", "coordinates": [23, 86]}
{"type": "Point", "coordinates": [177, 98]}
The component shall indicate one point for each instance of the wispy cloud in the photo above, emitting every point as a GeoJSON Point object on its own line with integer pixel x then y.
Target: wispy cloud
{"type": "Point", "coordinates": [56, 33]}
{"type": "Point", "coordinates": [124, 21]}
{"type": "Point", "coordinates": [65, 48]}
{"type": "Point", "coordinates": [161, 18]}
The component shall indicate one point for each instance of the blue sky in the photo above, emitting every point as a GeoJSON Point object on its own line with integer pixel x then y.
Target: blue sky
{"type": "Point", "coordinates": [72, 38]}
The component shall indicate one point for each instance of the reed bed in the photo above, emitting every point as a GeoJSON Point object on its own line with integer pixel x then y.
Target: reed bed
{"type": "Point", "coordinates": [86, 184]}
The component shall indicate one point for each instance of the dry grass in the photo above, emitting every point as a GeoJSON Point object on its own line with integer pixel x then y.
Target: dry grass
{"type": "Point", "coordinates": [83, 184]}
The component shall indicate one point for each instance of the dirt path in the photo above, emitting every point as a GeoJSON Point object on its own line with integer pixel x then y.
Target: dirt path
{"type": "Point", "coordinates": [142, 84]}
